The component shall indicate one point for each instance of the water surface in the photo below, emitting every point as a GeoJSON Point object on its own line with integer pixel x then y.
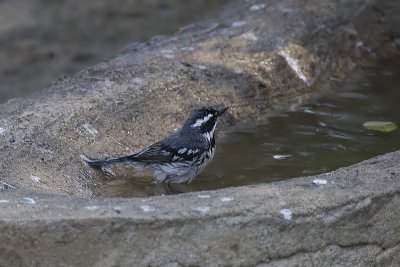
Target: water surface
{"type": "Point", "coordinates": [319, 137]}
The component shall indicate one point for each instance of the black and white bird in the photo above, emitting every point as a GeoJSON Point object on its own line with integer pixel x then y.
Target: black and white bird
{"type": "Point", "coordinates": [178, 158]}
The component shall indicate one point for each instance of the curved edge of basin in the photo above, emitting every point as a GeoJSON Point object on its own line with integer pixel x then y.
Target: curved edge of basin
{"type": "Point", "coordinates": [347, 216]}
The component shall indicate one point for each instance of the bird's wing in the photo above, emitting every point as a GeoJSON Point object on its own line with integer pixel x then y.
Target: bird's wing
{"type": "Point", "coordinates": [152, 154]}
{"type": "Point", "coordinates": [162, 153]}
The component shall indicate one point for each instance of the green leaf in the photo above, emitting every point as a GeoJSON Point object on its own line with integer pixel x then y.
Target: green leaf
{"type": "Point", "coordinates": [381, 126]}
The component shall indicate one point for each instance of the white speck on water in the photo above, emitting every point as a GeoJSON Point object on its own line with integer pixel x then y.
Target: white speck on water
{"type": "Point", "coordinates": [239, 23]}
{"type": "Point", "coordinates": [203, 196]}
{"type": "Point", "coordinates": [257, 7]}
{"type": "Point", "coordinates": [2, 130]}
{"type": "Point", "coordinates": [90, 129]}
{"type": "Point", "coordinates": [287, 214]}
{"type": "Point", "coordinates": [294, 65]}
{"type": "Point", "coordinates": [281, 156]}
{"type": "Point", "coordinates": [227, 199]}
{"type": "Point", "coordinates": [28, 200]}
{"type": "Point", "coordinates": [35, 178]}
{"type": "Point", "coordinates": [201, 209]}
{"type": "Point", "coordinates": [308, 111]}
{"type": "Point", "coordinates": [249, 36]}
{"type": "Point", "coordinates": [323, 124]}
{"type": "Point", "coordinates": [4, 201]}
{"type": "Point", "coordinates": [92, 207]}
{"type": "Point", "coordinates": [146, 208]}
{"type": "Point", "coordinates": [320, 182]}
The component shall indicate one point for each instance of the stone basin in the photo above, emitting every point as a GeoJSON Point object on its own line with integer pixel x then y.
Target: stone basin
{"type": "Point", "coordinates": [256, 57]}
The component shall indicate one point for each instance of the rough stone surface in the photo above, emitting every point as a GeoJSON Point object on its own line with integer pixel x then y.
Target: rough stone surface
{"type": "Point", "coordinates": [252, 59]}
{"type": "Point", "coordinates": [353, 220]}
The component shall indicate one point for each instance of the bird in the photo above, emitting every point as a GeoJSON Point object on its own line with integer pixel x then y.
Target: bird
{"type": "Point", "coordinates": [179, 157]}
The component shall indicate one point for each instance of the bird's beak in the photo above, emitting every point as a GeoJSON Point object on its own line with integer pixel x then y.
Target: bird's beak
{"type": "Point", "coordinates": [222, 110]}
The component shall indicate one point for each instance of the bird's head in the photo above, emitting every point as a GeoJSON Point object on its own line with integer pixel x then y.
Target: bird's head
{"type": "Point", "coordinates": [205, 119]}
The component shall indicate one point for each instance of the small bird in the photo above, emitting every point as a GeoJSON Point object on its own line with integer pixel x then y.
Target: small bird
{"type": "Point", "coordinates": [178, 158]}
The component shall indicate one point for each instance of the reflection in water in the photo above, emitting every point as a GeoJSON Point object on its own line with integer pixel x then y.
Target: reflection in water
{"type": "Point", "coordinates": [319, 137]}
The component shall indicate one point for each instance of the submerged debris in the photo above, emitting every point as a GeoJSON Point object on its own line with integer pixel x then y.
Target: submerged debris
{"type": "Point", "coordinates": [380, 126]}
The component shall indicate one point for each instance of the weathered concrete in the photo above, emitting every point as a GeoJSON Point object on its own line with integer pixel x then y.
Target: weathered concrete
{"type": "Point", "coordinates": [253, 58]}
{"type": "Point", "coordinates": [353, 220]}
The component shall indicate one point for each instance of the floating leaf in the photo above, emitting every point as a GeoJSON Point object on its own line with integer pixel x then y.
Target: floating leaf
{"type": "Point", "coordinates": [381, 126]}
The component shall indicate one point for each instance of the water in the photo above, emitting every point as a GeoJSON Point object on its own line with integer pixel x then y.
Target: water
{"type": "Point", "coordinates": [320, 137]}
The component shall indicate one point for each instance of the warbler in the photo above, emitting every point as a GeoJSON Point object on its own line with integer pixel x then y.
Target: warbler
{"type": "Point", "coordinates": [179, 157]}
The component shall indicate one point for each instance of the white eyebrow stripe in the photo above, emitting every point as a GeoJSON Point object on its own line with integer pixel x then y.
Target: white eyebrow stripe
{"type": "Point", "coordinates": [200, 122]}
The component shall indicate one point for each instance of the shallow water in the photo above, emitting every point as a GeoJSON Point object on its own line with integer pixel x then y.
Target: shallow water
{"type": "Point", "coordinates": [320, 137]}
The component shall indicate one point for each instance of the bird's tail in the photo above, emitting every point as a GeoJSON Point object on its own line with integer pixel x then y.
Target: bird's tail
{"type": "Point", "coordinates": [100, 162]}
